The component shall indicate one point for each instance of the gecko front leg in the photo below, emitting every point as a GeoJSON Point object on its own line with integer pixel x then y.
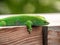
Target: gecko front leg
{"type": "Point", "coordinates": [29, 26]}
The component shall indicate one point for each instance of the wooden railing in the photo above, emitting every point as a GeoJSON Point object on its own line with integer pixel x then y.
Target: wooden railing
{"type": "Point", "coordinates": [20, 36]}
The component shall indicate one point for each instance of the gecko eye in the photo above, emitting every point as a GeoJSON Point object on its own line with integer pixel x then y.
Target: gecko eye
{"type": "Point", "coordinates": [46, 22]}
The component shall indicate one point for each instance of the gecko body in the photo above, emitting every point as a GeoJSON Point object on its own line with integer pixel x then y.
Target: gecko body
{"type": "Point", "coordinates": [29, 21]}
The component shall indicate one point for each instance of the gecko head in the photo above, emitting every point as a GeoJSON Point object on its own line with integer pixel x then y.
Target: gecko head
{"type": "Point", "coordinates": [2, 23]}
{"type": "Point", "coordinates": [43, 21]}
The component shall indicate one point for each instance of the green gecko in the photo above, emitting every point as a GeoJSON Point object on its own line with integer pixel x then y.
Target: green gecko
{"type": "Point", "coordinates": [29, 21]}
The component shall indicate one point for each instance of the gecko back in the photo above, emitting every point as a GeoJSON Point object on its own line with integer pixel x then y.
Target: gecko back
{"type": "Point", "coordinates": [21, 20]}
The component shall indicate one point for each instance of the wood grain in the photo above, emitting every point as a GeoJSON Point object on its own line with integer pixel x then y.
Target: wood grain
{"type": "Point", "coordinates": [53, 37]}
{"type": "Point", "coordinates": [20, 36]}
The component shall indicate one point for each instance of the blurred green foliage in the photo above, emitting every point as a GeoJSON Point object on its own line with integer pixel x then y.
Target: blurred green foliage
{"type": "Point", "coordinates": [29, 6]}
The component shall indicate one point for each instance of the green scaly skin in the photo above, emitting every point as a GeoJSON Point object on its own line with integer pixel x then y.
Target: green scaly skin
{"type": "Point", "coordinates": [29, 21]}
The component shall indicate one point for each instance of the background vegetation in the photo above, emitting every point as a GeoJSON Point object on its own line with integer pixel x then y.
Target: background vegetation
{"type": "Point", "coordinates": [29, 6]}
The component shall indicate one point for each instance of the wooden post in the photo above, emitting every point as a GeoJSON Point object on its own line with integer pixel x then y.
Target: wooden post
{"type": "Point", "coordinates": [54, 35]}
{"type": "Point", "coordinates": [45, 33]}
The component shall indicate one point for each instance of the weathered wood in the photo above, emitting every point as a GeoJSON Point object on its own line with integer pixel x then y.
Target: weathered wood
{"type": "Point", "coordinates": [20, 36]}
{"type": "Point", "coordinates": [53, 37]}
